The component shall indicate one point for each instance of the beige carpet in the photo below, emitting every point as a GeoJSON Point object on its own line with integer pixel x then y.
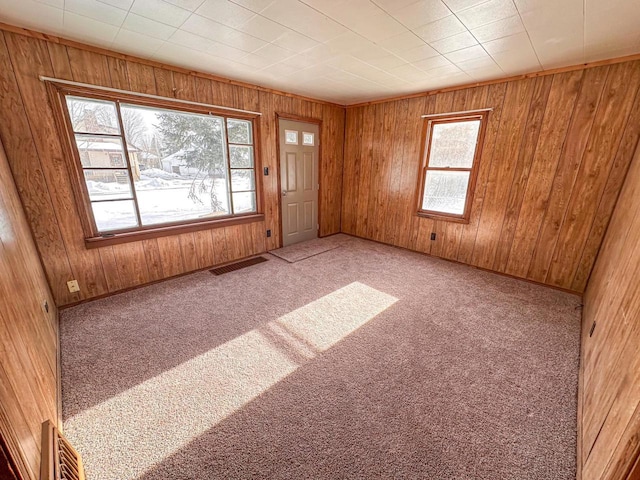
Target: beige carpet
{"type": "Point", "coordinates": [303, 250]}
{"type": "Point", "coordinates": [364, 362]}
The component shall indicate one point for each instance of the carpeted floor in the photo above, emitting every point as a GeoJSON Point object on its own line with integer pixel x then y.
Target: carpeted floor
{"type": "Point", "coordinates": [365, 361]}
{"type": "Point", "coordinates": [303, 250]}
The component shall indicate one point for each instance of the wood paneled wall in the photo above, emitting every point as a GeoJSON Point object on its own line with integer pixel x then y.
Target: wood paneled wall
{"type": "Point", "coordinates": [556, 152]}
{"type": "Point", "coordinates": [28, 335]}
{"type": "Point", "coordinates": [36, 158]}
{"type": "Point", "coordinates": [610, 422]}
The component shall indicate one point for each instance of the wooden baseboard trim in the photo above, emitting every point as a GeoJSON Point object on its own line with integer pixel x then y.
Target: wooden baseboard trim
{"type": "Point", "coordinates": [135, 287]}
{"type": "Point", "coordinates": [565, 290]}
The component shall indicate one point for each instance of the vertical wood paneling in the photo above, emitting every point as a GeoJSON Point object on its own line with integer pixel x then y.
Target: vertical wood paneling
{"type": "Point", "coordinates": [610, 357]}
{"type": "Point", "coordinates": [528, 145]}
{"type": "Point", "coordinates": [611, 119]}
{"type": "Point", "coordinates": [32, 185]}
{"type": "Point", "coordinates": [552, 162]}
{"type": "Point", "coordinates": [36, 157]}
{"type": "Point", "coordinates": [28, 335]}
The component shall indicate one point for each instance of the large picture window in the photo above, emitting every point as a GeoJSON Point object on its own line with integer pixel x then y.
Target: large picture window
{"type": "Point", "coordinates": [451, 154]}
{"type": "Point", "coordinates": [143, 167]}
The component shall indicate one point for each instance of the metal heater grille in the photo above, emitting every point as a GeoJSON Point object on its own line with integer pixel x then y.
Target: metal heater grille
{"type": "Point", "coordinates": [60, 461]}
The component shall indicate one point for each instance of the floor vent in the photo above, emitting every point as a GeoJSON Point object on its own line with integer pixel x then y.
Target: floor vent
{"type": "Point", "coordinates": [238, 265]}
{"type": "Point", "coordinates": [60, 461]}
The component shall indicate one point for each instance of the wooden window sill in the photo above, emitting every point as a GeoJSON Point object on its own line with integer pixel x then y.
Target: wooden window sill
{"type": "Point", "coordinates": [166, 230]}
{"type": "Point", "coordinates": [443, 217]}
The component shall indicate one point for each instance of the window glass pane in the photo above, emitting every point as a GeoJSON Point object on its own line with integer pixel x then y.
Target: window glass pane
{"type": "Point", "coordinates": [114, 215]}
{"type": "Point", "coordinates": [176, 199]}
{"type": "Point", "coordinates": [108, 184]}
{"type": "Point", "coordinates": [241, 157]}
{"type": "Point", "coordinates": [93, 116]}
{"type": "Point", "coordinates": [454, 144]}
{"type": "Point", "coordinates": [307, 138]}
{"type": "Point", "coordinates": [445, 192]}
{"type": "Point", "coordinates": [101, 152]}
{"type": "Point", "coordinates": [291, 137]}
{"type": "Point", "coordinates": [244, 202]}
{"type": "Point", "coordinates": [239, 131]}
{"type": "Point", "coordinates": [179, 163]}
{"type": "Point", "coordinates": [242, 180]}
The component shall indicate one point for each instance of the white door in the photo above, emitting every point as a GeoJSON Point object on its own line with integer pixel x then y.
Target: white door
{"type": "Point", "coordinates": [299, 180]}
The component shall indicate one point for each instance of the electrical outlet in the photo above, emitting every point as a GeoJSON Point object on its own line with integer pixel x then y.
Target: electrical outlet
{"type": "Point", "coordinates": [268, 233]}
{"type": "Point", "coordinates": [433, 235]}
{"type": "Point", "coordinates": [73, 286]}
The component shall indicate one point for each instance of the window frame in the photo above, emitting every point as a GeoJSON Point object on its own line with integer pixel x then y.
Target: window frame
{"type": "Point", "coordinates": [92, 237]}
{"type": "Point", "coordinates": [429, 122]}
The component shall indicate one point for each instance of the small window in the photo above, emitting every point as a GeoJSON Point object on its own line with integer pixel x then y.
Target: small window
{"type": "Point", "coordinates": [308, 138]}
{"type": "Point", "coordinates": [449, 170]}
{"type": "Point", "coordinates": [291, 137]}
{"type": "Point", "coordinates": [143, 166]}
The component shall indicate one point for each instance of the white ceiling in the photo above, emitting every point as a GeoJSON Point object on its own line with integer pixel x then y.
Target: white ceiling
{"type": "Point", "coordinates": [346, 51]}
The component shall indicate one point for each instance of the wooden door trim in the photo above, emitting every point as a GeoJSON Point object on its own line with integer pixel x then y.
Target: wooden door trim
{"type": "Point", "coordinates": [297, 118]}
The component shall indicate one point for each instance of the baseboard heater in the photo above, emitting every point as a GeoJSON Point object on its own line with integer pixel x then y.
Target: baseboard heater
{"type": "Point", "coordinates": [60, 461]}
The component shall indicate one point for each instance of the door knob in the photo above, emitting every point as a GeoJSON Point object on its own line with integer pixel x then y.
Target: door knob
{"type": "Point", "coordinates": [284, 193]}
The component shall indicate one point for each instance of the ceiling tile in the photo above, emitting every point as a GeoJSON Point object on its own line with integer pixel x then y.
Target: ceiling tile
{"type": "Point", "coordinates": [134, 43]}
{"type": "Point", "coordinates": [466, 54]}
{"type": "Point", "coordinates": [254, 5]}
{"type": "Point", "coordinates": [274, 53]}
{"type": "Point", "coordinates": [387, 62]}
{"type": "Point", "coordinates": [149, 27]}
{"type": "Point", "coordinates": [443, 70]}
{"type": "Point", "coordinates": [160, 11]}
{"type": "Point", "coordinates": [419, 53]}
{"type": "Point", "coordinates": [303, 19]}
{"type": "Point", "coordinates": [97, 11]}
{"type": "Point", "coordinates": [392, 6]}
{"type": "Point", "coordinates": [517, 42]}
{"type": "Point", "coordinates": [190, 40]}
{"type": "Point", "coordinates": [477, 63]}
{"type": "Point", "coordinates": [501, 28]}
{"type": "Point", "coordinates": [408, 72]}
{"type": "Point", "coordinates": [457, 5]}
{"type": "Point", "coordinates": [222, 33]}
{"type": "Point", "coordinates": [123, 4]}
{"type": "Point", "coordinates": [190, 5]}
{"type": "Point", "coordinates": [349, 42]}
{"type": "Point", "coordinates": [30, 14]}
{"type": "Point", "coordinates": [456, 42]}
{"type": "Point", "coordinates": [225, 12]}
{"type": "Point", "coordinates": [377, 27]}
{"type": "Point", "coordinates": [431, 63]}
{"type": "Point", "coordinates": [263, 28]}
{"type": "Point", "coordinates": [556, 30]}
{"type": "Point", "coordinates": [52, 3]}
{"type": "Point", "coordinates": [295, 41]}
{"type": "Point", "coordinates": [421, 12]}
{"type": "Point", "coordinates": [486, 13]}
{"type": "Point", "coordinates": [516, 62]}
{"type": "Point", "coordinates": [443, 28]}
{"type": "Point", "coordinates": [402, 42]}
{"type": "Point", "coordinates": [86, 28]}
{"type": "Point", "coordinates": [225, 51]}
{"type": "Point", "coordinates": [255, 61]}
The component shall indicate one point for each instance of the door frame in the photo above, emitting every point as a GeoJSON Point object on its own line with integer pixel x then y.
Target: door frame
{"type": "Point", "coordinates": [298, 118]}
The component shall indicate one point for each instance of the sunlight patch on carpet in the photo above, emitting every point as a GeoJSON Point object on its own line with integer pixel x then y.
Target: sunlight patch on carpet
{"type": "Point", "coordinates": [163, 414]}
